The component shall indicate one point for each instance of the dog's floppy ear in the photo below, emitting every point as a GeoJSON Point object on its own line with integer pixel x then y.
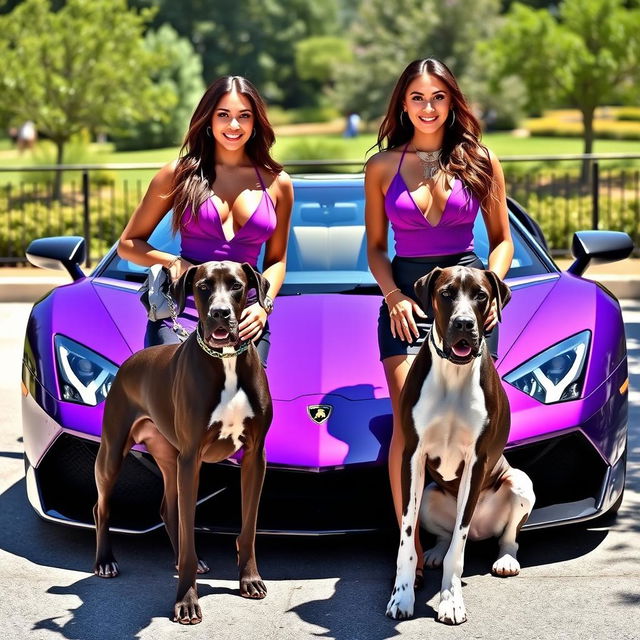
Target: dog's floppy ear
{"type": "Point", "coordinates": [424, 290]}
{"type": "Point", "coordinates": [256, 281]}
{"type": "Point", "coordinates": [500, 290]}
{"type": "Point", "coordinates": [181, 288]}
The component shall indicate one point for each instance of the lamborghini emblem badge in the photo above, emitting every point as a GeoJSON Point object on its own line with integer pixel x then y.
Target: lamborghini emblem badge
{"type": "Point", "coordinates": [319, 413]}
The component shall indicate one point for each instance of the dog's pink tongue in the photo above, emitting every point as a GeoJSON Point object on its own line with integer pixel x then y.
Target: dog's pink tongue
{"type": "Point", "coordinates": [462, 349]}
{"type": "Point", "coordinates": [220, 334]}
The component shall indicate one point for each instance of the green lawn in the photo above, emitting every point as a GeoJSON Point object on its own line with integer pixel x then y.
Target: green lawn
{"type": "Point", "coordinates": [107, 154]}
{"type": "Point", "coordinates": [503, 144]}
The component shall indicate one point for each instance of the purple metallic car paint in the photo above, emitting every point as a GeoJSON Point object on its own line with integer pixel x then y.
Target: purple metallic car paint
{"type": "Point", "coordinates": [356, 388]}
{"type": "Point", "coordinates": [572, 306]}
{"type": "Point", "coordinates": [312, 349]}
{"type": "Point", "coordinates": [76, 312]}
{"type": "Point", "coordinates": [527, 296]}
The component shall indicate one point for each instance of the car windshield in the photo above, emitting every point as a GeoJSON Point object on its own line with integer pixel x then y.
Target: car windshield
{"type": "Point", "coordinates": [327, 243]}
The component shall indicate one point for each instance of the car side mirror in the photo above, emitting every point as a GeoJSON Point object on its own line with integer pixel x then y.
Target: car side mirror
{"type": "Point", "coordinates": [60, 253]}
{"type": "Point", "coordinates": [598, 247]}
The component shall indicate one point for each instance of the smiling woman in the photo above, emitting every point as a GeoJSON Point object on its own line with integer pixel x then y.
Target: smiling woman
{"type": "Point", "coordinates": [428, 182]}
{"type": "Point", "coordinates": [229, 198]}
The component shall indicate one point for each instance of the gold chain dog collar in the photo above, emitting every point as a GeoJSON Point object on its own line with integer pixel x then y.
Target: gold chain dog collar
{"type": "Point", "coordinates": [220, 354]}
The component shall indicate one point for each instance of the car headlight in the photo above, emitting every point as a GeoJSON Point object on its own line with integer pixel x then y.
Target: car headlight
{"type": "Point", "coordinates": [85, 377]}
{"type": "Point", "coordinates": [556, 374]}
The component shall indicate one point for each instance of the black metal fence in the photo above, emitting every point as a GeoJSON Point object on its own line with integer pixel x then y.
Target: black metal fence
{"type": "Point", "coordinates": [96, 200]}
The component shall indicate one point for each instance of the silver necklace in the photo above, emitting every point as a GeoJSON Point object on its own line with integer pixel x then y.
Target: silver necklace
{"type": "Point", "coordinates": [430, 161]}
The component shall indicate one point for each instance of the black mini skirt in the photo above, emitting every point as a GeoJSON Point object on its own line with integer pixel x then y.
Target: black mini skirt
{"type": "Point", "coordinates": [405, 273]}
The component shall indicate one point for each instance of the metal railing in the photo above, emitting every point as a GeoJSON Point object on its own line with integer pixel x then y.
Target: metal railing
{"type": "Point", "coordinates": [97, 199]}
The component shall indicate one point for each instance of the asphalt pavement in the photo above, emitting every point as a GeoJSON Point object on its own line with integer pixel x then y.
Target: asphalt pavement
{"type": "Point", "coordinates": [577, 583]}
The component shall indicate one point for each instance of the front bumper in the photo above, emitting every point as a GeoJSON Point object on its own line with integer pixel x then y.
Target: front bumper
{"type": "Point", "coordinates": [571, 480]}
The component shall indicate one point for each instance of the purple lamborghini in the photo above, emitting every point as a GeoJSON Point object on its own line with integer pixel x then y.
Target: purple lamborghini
{"type": "Point", "coordinates": [562, 360]}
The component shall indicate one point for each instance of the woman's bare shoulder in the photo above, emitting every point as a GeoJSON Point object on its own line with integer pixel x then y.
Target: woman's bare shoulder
{"type": "Point", "coordinates": [494, 160]}
{"type": "Point", "coordinates": [283, 179]}
{"type": "Point", "coordinates": [276, 182]}
{"type": "Point", "coordinates": [164, 178]}
{"type": "Point", "coordinates": [382, 164]}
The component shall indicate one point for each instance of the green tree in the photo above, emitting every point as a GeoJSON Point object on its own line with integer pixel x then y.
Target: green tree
{"type": "Point", "coordinates": [253, 38]}
{"type": "Point", "coordinates": [586, 56]}
{"type": "Point", "coordinates": [180, 85]}
{"type": "Point", "coordinates": [385, 36]}
{"type": "Point", "coordinates": [82, 67]}
{"type": "Point", "coordinates": [388, 34]}
{"type": "Point", "coordinates": [318, 58]}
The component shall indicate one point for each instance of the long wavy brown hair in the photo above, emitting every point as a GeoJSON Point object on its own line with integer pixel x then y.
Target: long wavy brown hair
{"type": "Point", "coordinates": [462, 153]}
{"type": "Point", "coordinates": [196, 168]}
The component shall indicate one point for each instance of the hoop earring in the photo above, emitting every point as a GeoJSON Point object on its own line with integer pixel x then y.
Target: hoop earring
{"type": "Point", "coordinates": [453, 119]}
{"type": "Point", "coordinates": [402, 122]}
{"type": "Point", "coordinates": [253, 135]}
{"type": "Point", "coordinates": [209, 132]}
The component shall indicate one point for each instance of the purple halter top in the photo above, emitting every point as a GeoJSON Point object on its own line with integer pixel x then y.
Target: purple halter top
{"type": "Point", "coordinates": [415, 236]}
{"type": "Point", "coordinates": [203, 239]}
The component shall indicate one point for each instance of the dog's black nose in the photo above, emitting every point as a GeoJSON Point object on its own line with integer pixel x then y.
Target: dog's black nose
{"type": "Point", "coordinates": [464, 323]}
{"type": "Point", "coordinates": [220, 313]}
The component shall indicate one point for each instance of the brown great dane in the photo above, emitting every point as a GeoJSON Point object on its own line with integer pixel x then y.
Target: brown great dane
{"type": "Point", "coordinates": [196, 402]}
{"type": "Point", "coordinates": [455, 418]}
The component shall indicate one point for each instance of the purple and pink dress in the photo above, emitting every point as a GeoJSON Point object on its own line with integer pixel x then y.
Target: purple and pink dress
{"type": "Point", "coordinates": [421, 246]}
{"type": "Point", "coordinates": [203, 239]}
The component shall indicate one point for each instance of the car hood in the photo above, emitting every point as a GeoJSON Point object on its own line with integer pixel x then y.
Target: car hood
{"type": "Point", "coordinates": [324, 354]}
{"type": "Point", "coordinates": [327, 343]}
{"type": "Point", "coordinates": [320, 342]}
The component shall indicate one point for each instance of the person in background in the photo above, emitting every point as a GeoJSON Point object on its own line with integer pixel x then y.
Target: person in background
{"type": "Point", "coordinates": [353, 125]}
{"type": "Point", "coordinates": [27, 136]}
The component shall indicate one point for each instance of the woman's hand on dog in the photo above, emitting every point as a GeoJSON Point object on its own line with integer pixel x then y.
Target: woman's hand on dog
{"type": "Point", "coordinates": [401, 311]}
{"type": "Point", "coordinates": [252, 322]}
{"type": "Point", "coordinates": [492, 316]}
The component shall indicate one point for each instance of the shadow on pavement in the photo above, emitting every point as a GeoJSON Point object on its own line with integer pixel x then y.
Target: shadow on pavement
{"type": "Point", "coordinates": [364, 566]}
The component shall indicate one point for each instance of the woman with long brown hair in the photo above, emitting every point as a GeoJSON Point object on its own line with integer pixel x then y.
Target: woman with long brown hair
{"type": "Point", "coordinates": [229, 197]}
{"type": "Point", "coordinates": [429, 179]}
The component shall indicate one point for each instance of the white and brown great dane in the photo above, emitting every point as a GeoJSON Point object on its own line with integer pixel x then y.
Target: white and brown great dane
{"type": "Point", "coordinates": [455, 418]}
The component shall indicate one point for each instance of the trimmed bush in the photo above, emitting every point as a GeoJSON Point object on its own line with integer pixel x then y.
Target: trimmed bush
{"type": "Point", "coordinates": [631, 114]}
{"type": "Point", "coordinates": [312, 150]}
{"type": "Point", "coordinates": [31, 213]}
{"type": "Point", "coordinates": [75, 152]}
{"type": "Point", "coordinates": [568, 124]}
{"type": "Point", "coordinates": [302, 115]}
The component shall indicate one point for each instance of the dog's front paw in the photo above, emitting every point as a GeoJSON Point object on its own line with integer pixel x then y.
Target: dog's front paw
{"type": "Point", "coordinates": [401, 603]}
{"type": "Point", "coordinates": [187, 610]}
{"type": "Point", "coordinates": [252, 587]}
{"type": "Point", "coordinates": [506, 566]}
{"type": "Point", "coordinates": [106, 568]}
{"type": "Point", "coordinates": [451, 608]}
{"type": "Point", "coordinates": [434, 557]}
